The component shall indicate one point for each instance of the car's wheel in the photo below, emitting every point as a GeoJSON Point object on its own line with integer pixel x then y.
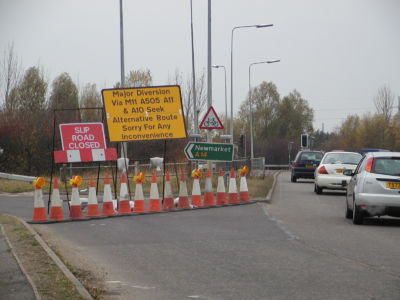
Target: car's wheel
{"type": "Point", "coordinates": [358, 215]}
{"type": "Point", "coordinates": [318, 189]}
{"type": "Point", "coordinates": [293, 178]}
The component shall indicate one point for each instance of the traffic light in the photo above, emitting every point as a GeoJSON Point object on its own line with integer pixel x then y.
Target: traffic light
{"type": "Point", "coordinates": [304, 141]}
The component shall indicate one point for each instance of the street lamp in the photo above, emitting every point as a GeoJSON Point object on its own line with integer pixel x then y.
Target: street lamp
{"type": "Point", "coordinates": [233, 30]}
{"type": "Point", "coordinates": [196, 125]}
{"type": "Point", "coordinates": [251, 103]}
{"type": "Point", "coordinates": [226, 102]}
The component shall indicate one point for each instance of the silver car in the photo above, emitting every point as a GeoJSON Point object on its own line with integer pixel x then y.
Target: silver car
{"type": "Point", "coordinates": [374, 187]}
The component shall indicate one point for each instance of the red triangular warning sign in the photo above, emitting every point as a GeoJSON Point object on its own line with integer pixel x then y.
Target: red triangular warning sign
{"type": "Point", "coordinates": [211, 120]}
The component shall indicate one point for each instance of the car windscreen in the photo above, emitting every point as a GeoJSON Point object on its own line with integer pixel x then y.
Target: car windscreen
{"type": "Point", "coordinates": [315, 156]}
{"type": "Point", "coordinates": [387, 166]}
{"type": "Point", "coordinates": [342, 158]}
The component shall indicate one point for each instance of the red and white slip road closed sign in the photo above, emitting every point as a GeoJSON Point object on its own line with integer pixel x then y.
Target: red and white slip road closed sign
{"type": "Point", "coordinates": [76, 136]}
{"type": "Point", "coordinates": [83, 142]}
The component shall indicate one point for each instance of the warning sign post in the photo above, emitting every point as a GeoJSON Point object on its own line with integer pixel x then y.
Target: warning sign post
{"type": "Point", "coordinates": [149, 113]}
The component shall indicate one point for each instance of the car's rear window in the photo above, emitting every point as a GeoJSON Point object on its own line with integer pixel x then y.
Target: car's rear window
{"type": "Point", "coordinates": [387, 166]}
{"type": "Point", "coordinates": [342, 158]}
{"type": "Point", "coordinates": [311, 156]}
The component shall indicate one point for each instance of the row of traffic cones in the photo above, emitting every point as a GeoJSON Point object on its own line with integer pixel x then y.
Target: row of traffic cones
{"type": "Point", "coordinates": [124, 207]}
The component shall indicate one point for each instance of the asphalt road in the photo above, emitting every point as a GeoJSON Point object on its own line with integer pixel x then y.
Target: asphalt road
{"type": "Point", "coordinates": [298, 247]}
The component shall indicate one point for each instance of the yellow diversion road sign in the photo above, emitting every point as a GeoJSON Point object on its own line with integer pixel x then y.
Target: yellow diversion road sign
{"type": "Point", "coordinates": [149, 113]}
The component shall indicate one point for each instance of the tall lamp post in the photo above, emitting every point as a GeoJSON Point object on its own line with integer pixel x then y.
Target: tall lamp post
{"type": "Point", "coordinates": [233, 30]}
{"type": "Point", "coordinates": [196, 125]}
{"type": "Point", "coordinates": [251, 103]}
{"type": "Point", "coordinates": [226, 102]}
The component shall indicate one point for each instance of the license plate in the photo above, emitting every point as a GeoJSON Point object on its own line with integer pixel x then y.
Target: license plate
{"type": "Point", "coordinates": [309, 166]}
{"type": "Point", "coordinates": [339, 170]}
{"type": "Point", "coordinates": [393, 185]}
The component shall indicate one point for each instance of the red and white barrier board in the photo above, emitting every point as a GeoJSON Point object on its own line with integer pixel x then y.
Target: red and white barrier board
{"type": "Point", "coordinates": [85, 155]}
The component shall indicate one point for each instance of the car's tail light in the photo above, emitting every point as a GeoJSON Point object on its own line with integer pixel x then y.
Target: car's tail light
{"type": "Point", "coordinates": [322, 170]}
{"type": "Point", "coordinates": [296, 165]}
{"type": "Point", "coordinates": [368, 164]}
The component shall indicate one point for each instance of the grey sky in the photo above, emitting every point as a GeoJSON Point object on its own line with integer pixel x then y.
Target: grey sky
{"type": "Point", "coordinates": [335, 53]}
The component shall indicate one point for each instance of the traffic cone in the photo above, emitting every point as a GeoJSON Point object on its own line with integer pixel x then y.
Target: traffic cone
{"type": "Point", "coordinates": [39, 210]}
{"type": "Point", "coordinates": [93, 206]}
{"type": "Point", "coordinates": [56, 213]}
{"type": "Point", "coordinates": [75, 207]}
{"type": "Point", "coordinates": [196, 193]}
{"type": "Point", "coordinates": [108, 207]}
{"type": "Point", "coordinates": [154, 203]}
{"type": "Point", "coordinates": [168, 203]}
{"type": "Point", "coordinates": [183, 194]}
{"type": "Point", "coordinates": [221, 192]}
{"type": "Point", "coordinates": [123, 204]}
{"type": "Point", "coordinates": [233, 195]}
{"type": "Point", "coordinates": [208, 192]}
{"type": "Point", "coordinates": [138, 205]}
{"type": "Point", "coordinates": [243, 190]}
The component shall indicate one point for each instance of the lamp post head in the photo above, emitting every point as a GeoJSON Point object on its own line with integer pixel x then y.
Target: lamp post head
{"type": "Point", "coordinates": [264, 25]}
{"type": "Point", "coordinates": [273, 61]}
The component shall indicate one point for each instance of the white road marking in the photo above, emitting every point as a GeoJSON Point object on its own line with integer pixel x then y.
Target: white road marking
{"type": "Point", "coordinates": [279, 223]}
{"type": "Point", "coordinates": [143, 287]}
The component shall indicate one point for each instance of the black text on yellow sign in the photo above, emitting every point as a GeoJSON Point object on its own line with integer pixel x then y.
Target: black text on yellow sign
{"type": "Point", "coordinates": [149, 113]}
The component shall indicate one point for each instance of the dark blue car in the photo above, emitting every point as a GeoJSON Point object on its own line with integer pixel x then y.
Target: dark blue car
{"type": "Point", "coordinates": [305, 163]}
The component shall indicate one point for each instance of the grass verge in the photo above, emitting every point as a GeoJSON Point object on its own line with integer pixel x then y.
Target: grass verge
{"type": "Point", "coordinates": [50, 281]}
{"type": "Point", "coordinates": [258, 186]}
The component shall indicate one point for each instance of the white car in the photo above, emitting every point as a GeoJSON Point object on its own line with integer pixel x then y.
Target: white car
{"type": "Point", "coordinates": [374, 187]}
{"type": "Point", "coordinates": [329, 173]}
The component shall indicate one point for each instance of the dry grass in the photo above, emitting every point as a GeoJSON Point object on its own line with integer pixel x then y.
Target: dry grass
{"type": "Point", "coordinates": [258, 186]}
{"type": "Point", "coordinates": [51, 283]}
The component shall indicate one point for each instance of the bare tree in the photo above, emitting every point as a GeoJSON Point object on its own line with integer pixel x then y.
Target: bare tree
{"type": "Point", "coordinates": [10, 73]}
{"type": "Point", "coordinates": [137, 78]}
{"type": "Point", "coordinates": [384, 101]}
{"type": "Point", "coordinates": [187, 95]}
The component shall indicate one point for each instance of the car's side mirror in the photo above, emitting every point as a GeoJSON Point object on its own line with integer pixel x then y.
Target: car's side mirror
{"type": "Point", "coordinates": [348, 172]}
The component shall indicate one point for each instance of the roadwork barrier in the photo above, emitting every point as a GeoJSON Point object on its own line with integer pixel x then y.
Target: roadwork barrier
{"type": "Point", "coordinates": [137, 207]}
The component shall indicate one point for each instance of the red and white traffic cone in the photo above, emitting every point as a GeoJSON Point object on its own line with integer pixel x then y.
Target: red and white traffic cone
{"type": "Point", "coordinates": [243, 190]}
{"type": "Point", "coordinates": [196, 193]}
{"type": "Point", "coordinates": [138, 205]}
{"type": "Point", "coordinates": [232, 190]}
{"type": "Point", "coordinates": [93, 206]}
{"type": "Point", "coordinates": [39, 210]}
{"type": "Point", "coordinates": [221, 191]}
{"type": "Point", "coordinates": [123, 204]}
{"type": "Point", "coordinates": [75, 207]}
{"type": "Point", "coordinates": [183, 194]}
{"type": "Point", "coordinates": [168, 203]}
{"type": "Point", "coordinates": [108, 207]}
{"type": "Point", "coordinates": [154, 202]}
{"type": "Point", "coordinates": [56, 213]}
{"type": "Point", "coordinates": [209, 199]}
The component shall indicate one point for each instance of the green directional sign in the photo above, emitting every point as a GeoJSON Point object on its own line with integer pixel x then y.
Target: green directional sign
{"type": "Point", "coordinates": [209, 151]}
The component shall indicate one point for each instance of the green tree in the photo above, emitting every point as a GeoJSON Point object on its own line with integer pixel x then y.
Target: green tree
{"type": "Point", "coordinates": [89, 99]}
{"type": "Point", "coordinates": [30, 94]}
{"type": "Point", "coordinates": [294, 117]}
{"type": "Point", "coordinates": [64, 96]}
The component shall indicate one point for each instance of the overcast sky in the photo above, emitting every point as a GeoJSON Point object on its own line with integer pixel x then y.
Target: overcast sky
{"type": "Point", "coordinates": [336, 53]}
